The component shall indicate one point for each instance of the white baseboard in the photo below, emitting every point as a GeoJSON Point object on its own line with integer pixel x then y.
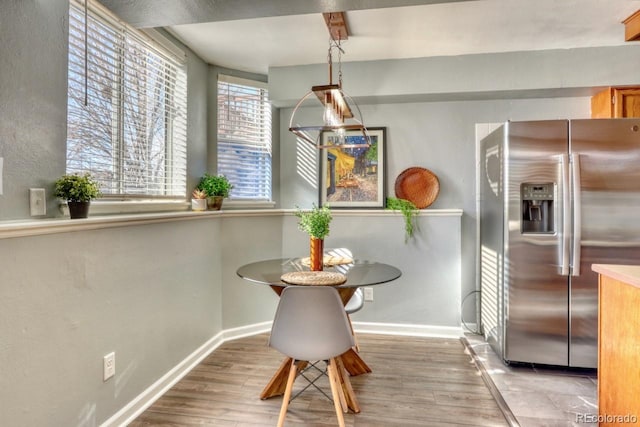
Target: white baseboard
{"type": "Point", "coordinates": [471, 328]}
{"type": "Point", "coordinates": [408, 330]}
{"type": "Point", "coordinates": [145, 399]}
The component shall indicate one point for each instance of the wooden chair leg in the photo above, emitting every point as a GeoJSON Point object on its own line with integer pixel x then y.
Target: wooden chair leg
{"type": "Point", "coordinates": [334, 381]}
{"type": "Point", "coordinates": [341, 395]}
{"type": "Point", "coordinates": [293, 371]}
{"type": "Point", "coordinates": [345, 385]}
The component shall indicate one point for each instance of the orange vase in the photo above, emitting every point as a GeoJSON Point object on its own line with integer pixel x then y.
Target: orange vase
{"type": "Point", "coordinates": [316, 248]}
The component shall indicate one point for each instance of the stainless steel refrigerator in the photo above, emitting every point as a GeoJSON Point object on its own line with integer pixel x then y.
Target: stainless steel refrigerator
{"type": "Point", "coordinates": [555, 197]}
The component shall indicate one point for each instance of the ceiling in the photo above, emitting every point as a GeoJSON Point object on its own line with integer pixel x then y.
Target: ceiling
{"type": "Point", "coordinates": [294, 33]}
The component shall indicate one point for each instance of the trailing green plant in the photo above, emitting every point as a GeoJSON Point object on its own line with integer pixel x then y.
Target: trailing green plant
{"type": "Point", "coordinates": [314, 222]}
{"type": "Point", "coordinates": [215, 185]}
{"type": "Point", "coordinates": [77, 188]}
{"type": "Point", "coordinates": [409, 211]}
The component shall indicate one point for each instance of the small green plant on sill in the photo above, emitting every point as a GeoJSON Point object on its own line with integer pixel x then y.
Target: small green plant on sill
{"type": "Point", "coordinates": [198, 194]}
{"type": "Point", "coordinates": [77, 188]}
{"type": "Point", "coordinates": [408, 210]}
{"type": "Point", "coordinates": [215, 185]}
{"type": "Point", "coordinates": [314, 222]}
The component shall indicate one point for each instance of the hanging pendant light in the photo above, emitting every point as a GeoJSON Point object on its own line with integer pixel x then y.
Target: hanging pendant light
{"type": "Point", "coordinates": [337, 116]}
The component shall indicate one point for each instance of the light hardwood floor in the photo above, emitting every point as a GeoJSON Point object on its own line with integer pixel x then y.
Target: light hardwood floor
{"type": "Point", "coordinates": [415, 382]}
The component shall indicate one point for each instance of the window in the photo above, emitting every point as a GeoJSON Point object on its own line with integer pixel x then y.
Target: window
{"type": "Point", "coordinates": [126, 117]}
{"type": "Point", "coordinates": [244, 137]}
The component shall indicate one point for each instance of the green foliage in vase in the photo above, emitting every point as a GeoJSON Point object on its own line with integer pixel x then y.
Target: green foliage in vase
{"type": "Point", "coordinates": [215, 185]}
{"type": "Point", "coordinates": [315, 222]}
{"type": "Point", "coordinates": [409, 210]}
{"type": "Point", "coordinates": [77, 188]}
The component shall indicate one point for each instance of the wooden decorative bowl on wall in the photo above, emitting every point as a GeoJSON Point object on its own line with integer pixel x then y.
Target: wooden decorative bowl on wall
{"type": "Point", "coordinates": [418, 185]}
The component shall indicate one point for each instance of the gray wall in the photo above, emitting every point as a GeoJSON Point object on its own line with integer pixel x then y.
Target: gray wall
{"type": "Point", "coordinates": [33, 104]}
{"type": "Point", "coordinates": [150, 293]}
{"type": "Point", "coordinates": [427, 293]}
{"type": "Point", "coordinates": [439, 136]}
{"type": "Point", "coordinates": [155, 293]}
{"type": "Point", "coordinates": [33, 100]}
{"type": "Point", "coordinates": [430, 107]}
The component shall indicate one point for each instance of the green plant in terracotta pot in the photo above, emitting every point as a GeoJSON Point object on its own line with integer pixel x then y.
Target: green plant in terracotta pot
{"type": "Point", "coordinates": [217, 188]}
{"type": "Point", "coordinates": [315, 223]}
{"type": "Point", "coordinates": [78, 190]}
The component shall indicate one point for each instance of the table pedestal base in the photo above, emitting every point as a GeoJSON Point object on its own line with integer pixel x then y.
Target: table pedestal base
{"type": "Point", "coordinates": [349, 362]}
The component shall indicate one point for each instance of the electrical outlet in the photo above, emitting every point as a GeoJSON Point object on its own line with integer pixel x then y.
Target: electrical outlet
{"type": "Point", "coordinates": [109, 366]}
{"type": "Point", "coordinates": [37, 203]}
{"type": "Point", "coordinates": [368, 294]}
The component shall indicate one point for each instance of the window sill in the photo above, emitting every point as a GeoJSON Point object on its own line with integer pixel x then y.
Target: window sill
{"type": "Point", "coordinates": [248, 204]}
{"type": "Point", "coordinates": [115, 207]}
{"type": "Point", "coordinates": [110, 207]}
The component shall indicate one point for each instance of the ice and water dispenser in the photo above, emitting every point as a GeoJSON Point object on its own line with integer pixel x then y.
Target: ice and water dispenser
{"type": "Point", "coordinates": [537, 207]}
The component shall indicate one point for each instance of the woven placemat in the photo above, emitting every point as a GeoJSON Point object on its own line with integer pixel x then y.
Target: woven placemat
{"type": "Point", "coordinates": [314, 278]}
{"type": "Point", "coordinates": [330, 260]}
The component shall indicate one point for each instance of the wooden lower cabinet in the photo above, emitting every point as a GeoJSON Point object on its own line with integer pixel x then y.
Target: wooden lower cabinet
{"type": "Point", "coordinates": [618, 346]}
{"type": "Point", "coordinates": [616, 103]}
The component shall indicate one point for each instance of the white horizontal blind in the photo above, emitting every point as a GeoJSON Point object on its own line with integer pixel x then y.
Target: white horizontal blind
{"type": "Point", "coordinates": [244, 137]}
{"type": "Point", "coordinates": [127, 105]}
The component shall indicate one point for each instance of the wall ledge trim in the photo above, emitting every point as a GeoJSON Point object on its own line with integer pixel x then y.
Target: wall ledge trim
{"type": "Point", "coordinates": [35, 227]}
{"type": "Point", "coordinates": [385, 212]}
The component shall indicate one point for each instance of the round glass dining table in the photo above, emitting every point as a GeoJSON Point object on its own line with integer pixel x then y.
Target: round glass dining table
{"type": "Point", "coordinates": [358, 273]}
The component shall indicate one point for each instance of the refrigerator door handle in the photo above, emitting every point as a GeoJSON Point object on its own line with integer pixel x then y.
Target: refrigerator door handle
{"type": "Point", "coordinates": [577, 213]}
{"type": "Point", "coordinates": [565, 214]}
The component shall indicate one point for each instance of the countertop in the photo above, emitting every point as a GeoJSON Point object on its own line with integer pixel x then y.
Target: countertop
{"type": "Point", "coordinates": [625, 273]}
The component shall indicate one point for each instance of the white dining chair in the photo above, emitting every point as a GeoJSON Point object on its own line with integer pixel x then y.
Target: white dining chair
{"type": "Point", "coordinates": [356, 302]}
{"type": "Point", "coordinates": [311, 324]}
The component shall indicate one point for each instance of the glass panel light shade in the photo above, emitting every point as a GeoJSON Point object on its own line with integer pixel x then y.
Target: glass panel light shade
{"type": "Point", "coordinates": [337, 115]}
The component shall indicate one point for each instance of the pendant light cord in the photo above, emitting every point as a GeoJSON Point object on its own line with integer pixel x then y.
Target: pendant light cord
{"type": "Point", "coordinates": [86, 53]}
{"type": "Point", "coordinates": [335, 44]}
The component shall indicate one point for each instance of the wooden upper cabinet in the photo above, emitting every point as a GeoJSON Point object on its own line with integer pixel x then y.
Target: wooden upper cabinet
{"type": "Point", "coordinates": [616, 102]}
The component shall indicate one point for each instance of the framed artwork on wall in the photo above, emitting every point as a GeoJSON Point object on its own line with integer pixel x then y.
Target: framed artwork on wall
{"type": "Point", "coordinates": [353, 177]}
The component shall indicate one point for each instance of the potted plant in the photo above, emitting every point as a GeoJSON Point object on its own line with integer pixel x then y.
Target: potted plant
{"type": "Point", "coordinates": [408, 210]}
{"type": "Point", "coordinates": [198, 200]}
{"type": "Point", "coordinates": [216, 187]}
{"type": "Point", "coordinates": [78, 190]}
{"type": "Point", "coordinates": [315, 223]}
